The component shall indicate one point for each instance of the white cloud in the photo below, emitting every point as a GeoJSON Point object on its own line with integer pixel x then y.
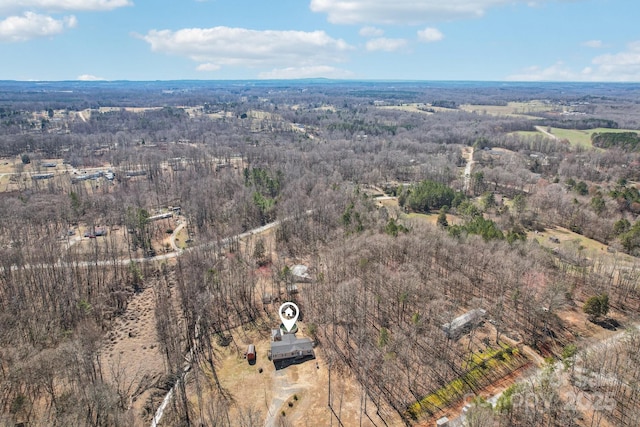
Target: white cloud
{"type": "Point", "coordinates": [616, 67]}
{"type": "Point", "coordinates": [596, 44]}
{"type": "Point", "coordinates": [224, 46]}
{"type": "Point", "coordinates": [208, 67]}
{"type": "Point", "coordinates": [371, 32]}
{"type": "Point", "coordinates": [622, 66]}
{"type": "Point", "coordinates": [429, 35]}
{"type": "Point", "coordinates": [386, 45]}
{"type": "Point", "coordinates": [403, 11]}
{"type": "Point", "coordinates": [556, 72]}
{"type": "Point", "coordinates": [32, 25]}
{"type": "Point", "coordinates": [89, 78]}
{"type": "Point", "coordinates": [55, 5]}
{"type": "Point", "coordinates": [324, 71]}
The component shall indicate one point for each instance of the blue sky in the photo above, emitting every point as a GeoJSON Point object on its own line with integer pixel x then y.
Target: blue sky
{"type": "Point", "coordinates": [548, 40]}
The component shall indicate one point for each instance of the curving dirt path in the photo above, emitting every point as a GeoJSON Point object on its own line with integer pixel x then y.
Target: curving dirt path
{"type": "Point", "coordinates": [467, 153]}
{"type": "Point", "coordinates": [544, 131]}
{"type": "Point", "coordinates": [175, 233]}
{"type": "Point", "coordinates": [286, 383]}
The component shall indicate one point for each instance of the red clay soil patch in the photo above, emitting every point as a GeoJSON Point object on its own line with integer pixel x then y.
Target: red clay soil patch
{"type": "Point", "coordinates": [264, 271]}
{"type": "Point", "coordinates": [580, 327]}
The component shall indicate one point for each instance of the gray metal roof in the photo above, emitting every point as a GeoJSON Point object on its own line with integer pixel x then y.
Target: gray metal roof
{"type": "Point", "coordinates": [300, 273]}
{"type": "Point", "coordinates": [461, 322]}
{"type": "Point", "coordinates": [290, 344]}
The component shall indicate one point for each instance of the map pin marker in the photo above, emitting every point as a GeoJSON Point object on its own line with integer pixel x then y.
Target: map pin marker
{"type": "Point", "coordinates": [288, 314]}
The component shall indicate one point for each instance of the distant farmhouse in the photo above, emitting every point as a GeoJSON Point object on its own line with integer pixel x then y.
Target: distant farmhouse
{"type": "Point", "coordinates": [109, 175]}
{"type": "Point", "coordinates": [95, 232]}
{"type": "Point", "coordinates": [287, 346]}
{"type": "Point", "coordinates": [87, 177]}
{"type": "Point", "coordinates": [161, 216]}
{"type": "Point", "coordinates": [41, 176]}
{"type": "Point", "coordinates": [300, 274]}
{"type": "Point", "coordinates": [463, 324]}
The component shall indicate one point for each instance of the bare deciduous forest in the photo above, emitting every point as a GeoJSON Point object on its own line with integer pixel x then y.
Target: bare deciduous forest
{"type": "Point", "coordinates": [472, 250]}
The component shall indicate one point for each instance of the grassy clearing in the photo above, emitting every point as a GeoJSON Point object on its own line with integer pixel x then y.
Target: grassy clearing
{"type": "Point", "coordinates": [432, 218]}
{"type": "Point", "coordinates": [566, 237]}
{"type": "Point", "coordinates": [4, 182]}
{"type": "Point", "coordinates": [418, 108]}
{"type": "Point", "coordinates": [576, 137]}
{"type": "Point", "coordinates": [579, 138]}
{"type": "Point", "coordinates": [132, 109]}
{"type": "Point", "coordinates": [7, 165]}
{"type": "Point", "coordinates": [512, 109]}
{"type": "Point", "coordinates": [181, 238]}
{"type": "Point", "coordinates": [570, 240]}
{"type": "Point", "coordinates": [261, 115]}
{"type": "Point", "coordinates": [425, 218]}
{"type": "Point", "coordinates": [411, 108]}
{"type": "Point", "coordinates": [389, 202]}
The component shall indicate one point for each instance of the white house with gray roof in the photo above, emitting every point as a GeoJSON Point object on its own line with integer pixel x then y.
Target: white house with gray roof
{"type": "Point", "coordinates": [290, 347]}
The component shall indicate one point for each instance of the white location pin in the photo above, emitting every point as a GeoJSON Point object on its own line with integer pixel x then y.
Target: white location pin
{"type": "Point", "coordinates": [288, 314]}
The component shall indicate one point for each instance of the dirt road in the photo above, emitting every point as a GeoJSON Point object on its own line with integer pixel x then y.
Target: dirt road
{"type": "Point", "coordinates": [175, 233]}
{"type": "Point", "coordinates": [546, 133]}
{"type": "Point", "coordinates": [286, 384]}
{"type": "Point", "coordinates": [467, 153]}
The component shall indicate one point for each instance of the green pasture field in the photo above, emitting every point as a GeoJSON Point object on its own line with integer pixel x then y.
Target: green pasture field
{"type": "Point", "coordinates": [512, 109]}
{"type": "Point", "coordinates": [576, 137]}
